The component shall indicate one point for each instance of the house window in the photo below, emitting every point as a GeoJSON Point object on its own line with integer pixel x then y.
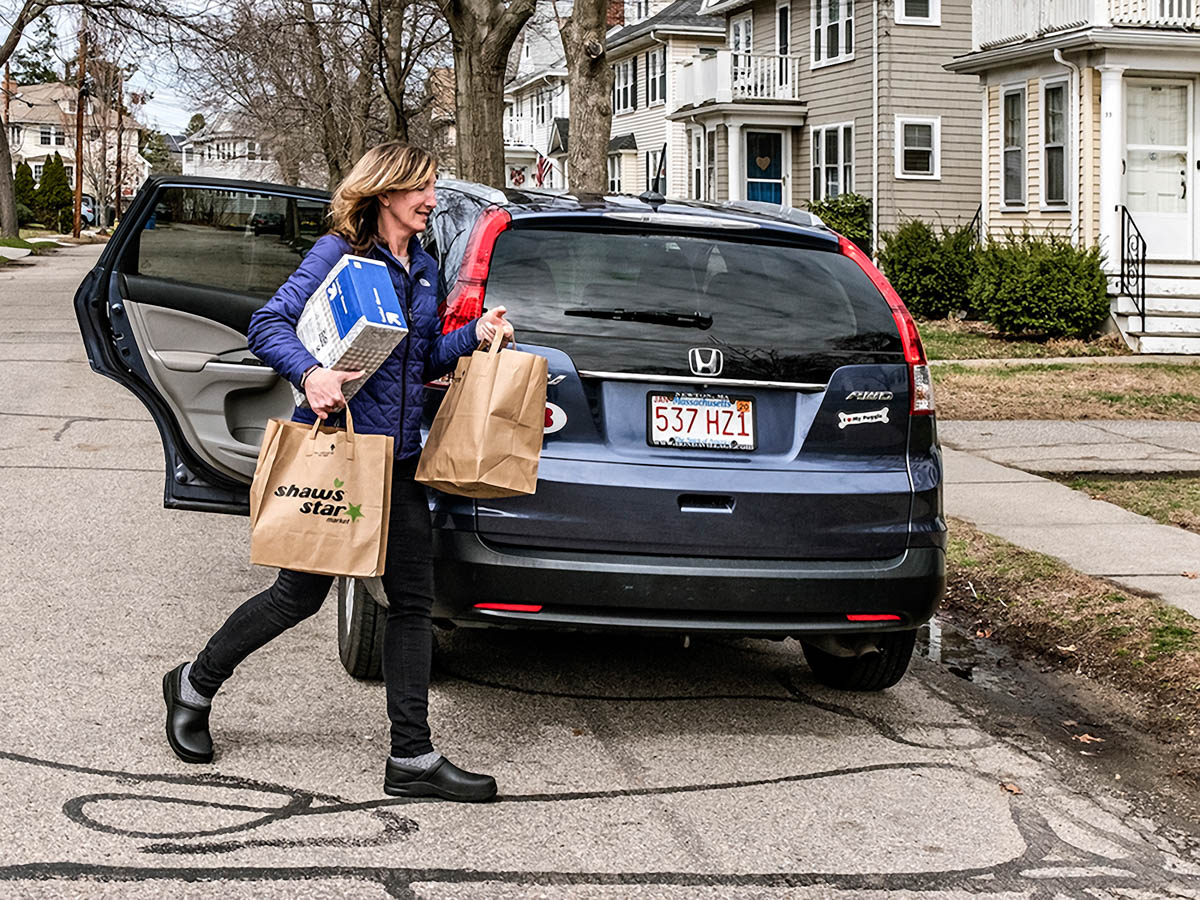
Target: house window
{"type": "Point", "coordinates": [710, 157]}
{"type": "Point", "coordinates": [656, 172]}
{"type": "Point", "coordinates": [14, 136]}
{"type": "Point", "coordinates": [918, 12]}
{"type": "Point", "coordinates": [741, 42]}
{"type": "Point", "coordinates": [783, 38]}
{"type": "Point", "coordinates": [656, 76]}
{"type": "Point", "coordinates": [52, 134]}
{"type": "Point", "coordinates": [833, 161]}
{"type": "Point", "coordinates": [614, 173]}
{"type": "Point", "coordinates": [833, 32]}
{"type": "Point", "coordinates": [636, 10]}
{"type": "Point", "coordinates": [543, 106]}
{"type": "Point", "coordinates": [45, 138]}
{"type": "Point", "coordinates": [918, 147]}
{"type": "Point", "coordinates": [251, 150]}
{"type": "Point", "coordinates": [37, 172]}
{"type": "Point", "coordinates": [1014, 147]}
{"type": "Point", "coordinates": [625, 86]}
{"type": "Point", "coordinates": [70, 170]}
{"type": "Point", "coordinates": [1054, 144]}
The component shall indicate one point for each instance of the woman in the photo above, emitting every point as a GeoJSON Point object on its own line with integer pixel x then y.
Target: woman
{"type": "Point", "coordinates": [377, 211]}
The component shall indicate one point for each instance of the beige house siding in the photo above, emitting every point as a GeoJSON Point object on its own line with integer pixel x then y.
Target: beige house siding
{"type": "Point", "coordinates": [1092, 181]}
{"type": "Point", "coordinates": [1004, 220]}
{"type": "Point", "coordinates": [834, 94]}
{"type": "Point", "coordinates": [649, 124]}
{"type": "Point", "coordinates": [914, 83]}
{"type": "Point", "coordinates": [722, 162]}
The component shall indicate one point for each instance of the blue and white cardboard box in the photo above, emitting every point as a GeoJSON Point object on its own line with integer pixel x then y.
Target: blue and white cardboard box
{"type": "Point", "coordinates": [352, 321]}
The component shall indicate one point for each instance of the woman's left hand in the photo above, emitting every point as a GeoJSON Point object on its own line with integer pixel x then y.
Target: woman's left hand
{"type": "Point", "coordinates": [491, 322]}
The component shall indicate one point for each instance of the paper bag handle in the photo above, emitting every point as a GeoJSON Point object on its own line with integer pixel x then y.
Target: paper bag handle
{"type": "Point", "coordinates": [316, 426]}
{"type": "Point", "coordinates": [495, 346]}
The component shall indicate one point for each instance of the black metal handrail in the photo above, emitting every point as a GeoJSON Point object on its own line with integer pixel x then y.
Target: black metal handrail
{"type": "Point", "coordinates": [976, 225]}
{"type": "Point", "coordinates": [1133, 263]}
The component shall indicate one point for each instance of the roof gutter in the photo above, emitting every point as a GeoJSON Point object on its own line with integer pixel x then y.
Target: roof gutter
{"type": "Point", "coordinates": [1079, 39]}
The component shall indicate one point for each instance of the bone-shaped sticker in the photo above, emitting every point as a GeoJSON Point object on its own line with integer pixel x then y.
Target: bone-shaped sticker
{"type": "Point", "coordinates": [862, 418]}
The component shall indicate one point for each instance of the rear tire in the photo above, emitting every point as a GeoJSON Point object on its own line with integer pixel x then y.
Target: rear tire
{"type": "Point", "coordinates": [361, 623]}
{"type": "Point", "coordinates": [869, 672]}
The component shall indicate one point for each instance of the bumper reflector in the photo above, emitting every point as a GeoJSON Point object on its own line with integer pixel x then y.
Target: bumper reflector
{"type": "Point", "coordinates": [872, 617]}
{"type": "Point", "coordinates": [510, 607]}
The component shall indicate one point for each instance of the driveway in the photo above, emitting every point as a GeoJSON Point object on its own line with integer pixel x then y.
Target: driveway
{"type": "Point", "coordinates": [628, 766]}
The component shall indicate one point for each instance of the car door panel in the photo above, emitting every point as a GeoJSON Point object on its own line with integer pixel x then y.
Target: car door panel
{"type": "Point", "coordinates": [165, 314]}
{"type": "Point", "coordinates": [220, 394]}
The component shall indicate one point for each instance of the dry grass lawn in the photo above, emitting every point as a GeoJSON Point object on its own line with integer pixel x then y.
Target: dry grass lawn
{"type": "Point", "coordinates": [1079, 623]}
{"type": "Point", "coordinates": [1069, 391]}
{"type": "Point", "coordinates": [957, 339]}
{"type": "Point", "coordinates": [1168, 499]}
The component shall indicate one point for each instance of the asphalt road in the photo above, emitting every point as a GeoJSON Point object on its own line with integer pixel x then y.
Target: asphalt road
{"type": "Point", "coordinates": [628, 767]}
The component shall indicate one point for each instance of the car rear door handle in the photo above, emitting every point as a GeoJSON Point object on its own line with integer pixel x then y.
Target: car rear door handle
{"type": "Point", "coordinates": [706, 503]}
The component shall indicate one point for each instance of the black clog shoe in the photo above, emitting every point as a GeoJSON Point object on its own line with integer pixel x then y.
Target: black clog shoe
{"type": "Point", "coordinates": [443, 779]}
{"type": "Point", "coordinates": [187, 725]}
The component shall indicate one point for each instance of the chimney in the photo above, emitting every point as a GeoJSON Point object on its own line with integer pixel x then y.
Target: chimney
{"type": "Point", "coordinates": [616, 13]}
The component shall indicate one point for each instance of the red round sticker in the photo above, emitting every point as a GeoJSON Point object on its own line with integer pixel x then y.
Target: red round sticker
{"type": "Point", "coordinates": [556, 419]}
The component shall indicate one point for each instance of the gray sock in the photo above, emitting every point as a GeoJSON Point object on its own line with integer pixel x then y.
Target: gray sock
{"type": "Point", "coordinates": [189, 694]}
{"type": "Point", "coordinates": [424, 761]}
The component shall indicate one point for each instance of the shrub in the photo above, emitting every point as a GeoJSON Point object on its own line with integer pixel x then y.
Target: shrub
{"type": "Point", "coordinates": [54, 193]}
{"type": "Point", "coordinates": [847, 214]}
{"type": "Point", "coordinates": [932, 275]}
{"type": "Point", "coordinates": [1043, 285]}
{"type": "Point", "coordinates": [24, 214]}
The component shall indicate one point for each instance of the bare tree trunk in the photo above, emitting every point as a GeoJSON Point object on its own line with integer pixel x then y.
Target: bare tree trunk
{"type": "Point", "coordinates": [8, 198]}
{"type": "Point", "coordinates": [483, 34]}
{"type": "Point", "coordinates": [478, 123]}
{"type": "Point", "coordinates": [330, 133]}
{"type": "Point", "coordinates": [589, 79]}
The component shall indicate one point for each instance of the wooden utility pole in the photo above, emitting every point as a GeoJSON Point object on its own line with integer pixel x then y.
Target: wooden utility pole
{"type": "Point", "coordinates": [80, 103]}
{"type": "Point", "coordinates": [120, 128]}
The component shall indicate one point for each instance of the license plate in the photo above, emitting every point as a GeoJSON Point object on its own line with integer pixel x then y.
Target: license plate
{"type": "Point", "coordinates": [700, 421]}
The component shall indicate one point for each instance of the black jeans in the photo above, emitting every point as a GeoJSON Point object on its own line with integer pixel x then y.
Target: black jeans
{"type": "Point", "coordinates": [407, 647]}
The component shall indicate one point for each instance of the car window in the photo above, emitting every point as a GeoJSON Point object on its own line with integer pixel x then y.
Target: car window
{"type": "Point", "coordinates": [450, 227]}
{"type": "Point", "coordinates": [234, 240]}
{"type": "Point", "coordinates": [777, 312]}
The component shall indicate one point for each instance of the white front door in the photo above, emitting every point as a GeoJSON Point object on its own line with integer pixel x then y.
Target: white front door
{"type": "Point", "coordinates": [1158, 168]}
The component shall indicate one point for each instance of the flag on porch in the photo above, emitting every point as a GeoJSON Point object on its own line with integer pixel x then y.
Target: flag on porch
{"type": "Point", "coordinates": [544, 168]}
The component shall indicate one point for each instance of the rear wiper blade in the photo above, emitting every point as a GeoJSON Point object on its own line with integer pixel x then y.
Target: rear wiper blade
{"type": "Point", "coordinates": [699, 320]}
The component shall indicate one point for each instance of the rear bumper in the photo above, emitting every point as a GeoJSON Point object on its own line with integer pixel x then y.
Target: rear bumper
{"type": "Point", "coordinates": [660, 593]}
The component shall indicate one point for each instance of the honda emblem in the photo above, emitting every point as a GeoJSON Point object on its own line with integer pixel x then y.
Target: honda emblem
{"type": "Point", "coordinates": [706, 360]}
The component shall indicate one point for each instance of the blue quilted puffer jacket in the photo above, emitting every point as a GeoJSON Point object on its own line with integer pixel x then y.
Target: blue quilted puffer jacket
{"type": "Point", "coordinates": [391, 400]}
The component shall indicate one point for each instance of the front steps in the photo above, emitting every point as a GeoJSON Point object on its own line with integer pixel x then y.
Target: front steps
{"type": "Point", "coordinates": [1172, 320]}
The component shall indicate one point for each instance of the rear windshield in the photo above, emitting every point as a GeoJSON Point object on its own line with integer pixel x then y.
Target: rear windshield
{"type": "Point", "coordinates": [777, 313]}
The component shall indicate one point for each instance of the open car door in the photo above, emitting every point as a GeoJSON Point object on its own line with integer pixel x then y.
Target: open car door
{"type": "Point", "coordinates": [165, 313]}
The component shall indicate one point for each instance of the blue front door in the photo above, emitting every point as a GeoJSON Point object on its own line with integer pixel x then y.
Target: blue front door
{"type": "Point", "coordinates": [764, 166]}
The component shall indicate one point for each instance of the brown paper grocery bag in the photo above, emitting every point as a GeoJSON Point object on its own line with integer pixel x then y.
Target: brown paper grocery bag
{"type": "Point", "coordinates": [320, 499]}
{"type": "Point", "coordinates": [486, 439]}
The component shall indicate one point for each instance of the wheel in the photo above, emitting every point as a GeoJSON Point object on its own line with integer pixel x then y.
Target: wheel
{"type": "Point", "coordinates": [361, 621]}
{"type": "Point", "coordinates": [869, 672]}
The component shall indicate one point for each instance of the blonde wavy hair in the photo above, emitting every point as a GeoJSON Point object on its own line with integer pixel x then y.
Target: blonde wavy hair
{"type": "Point", "coordinates": [394, 166]}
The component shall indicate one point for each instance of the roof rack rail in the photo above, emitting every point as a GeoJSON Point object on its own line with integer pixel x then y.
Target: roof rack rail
{"type": "Point", "coordinates": [776, 211]}
{"type": "Point", "coordinates": [475, 189]}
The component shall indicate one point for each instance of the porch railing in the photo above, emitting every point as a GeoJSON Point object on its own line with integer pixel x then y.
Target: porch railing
{"type": "Point", "coordinates": [725, 76]}
{"type": "Point", "coordinates": [995, 22]}
{"type": "Point", "coordinates": [1132, 281]}
{"type": "Point", "coordinates": [518, 130]}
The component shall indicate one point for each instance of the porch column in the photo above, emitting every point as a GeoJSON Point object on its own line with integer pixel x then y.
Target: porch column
{"type": "Point", "coordinates": [736, 166]}
{"type": "Point", "coordinates": [1112, 153]}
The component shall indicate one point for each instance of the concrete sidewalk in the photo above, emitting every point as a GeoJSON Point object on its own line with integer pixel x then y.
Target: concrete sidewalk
{"type": "Point", "coordinates": [1092, 536]}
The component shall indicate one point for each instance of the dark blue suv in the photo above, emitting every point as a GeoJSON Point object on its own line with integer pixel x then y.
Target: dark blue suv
{"type": "Point", "coordinates": [740, 434]}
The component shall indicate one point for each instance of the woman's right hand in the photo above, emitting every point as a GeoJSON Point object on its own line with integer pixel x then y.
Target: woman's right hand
{"type": "Point", "coordinates": [323, 388]}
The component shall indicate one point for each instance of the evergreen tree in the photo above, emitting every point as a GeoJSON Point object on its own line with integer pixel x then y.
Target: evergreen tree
{"type": "Point", "coordinates": [54, 194]}
{"type": "Point", "coordinates": [157, 153]}
{"type": "Point", "coordinates": [195, 123]}
{"type": "Point", "coordinates": [33, 62]}
{"type": "Point", "coordinates": [23, 186]}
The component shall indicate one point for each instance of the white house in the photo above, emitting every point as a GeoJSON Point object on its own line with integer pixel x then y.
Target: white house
{"type": "Point", "coordinates": [1091, 116]}
{"type": "Point", "coordinates": [42, 122]}
{"type": "Point", "coordinates": [534, 99]}
{"type": "Point", "coordinates": [223, 149]}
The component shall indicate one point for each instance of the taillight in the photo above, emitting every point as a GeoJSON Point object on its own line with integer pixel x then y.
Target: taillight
{"type": "Point", "coordinates": [465, 301]}
{"type": "Point", "coordinates": [919, 381]}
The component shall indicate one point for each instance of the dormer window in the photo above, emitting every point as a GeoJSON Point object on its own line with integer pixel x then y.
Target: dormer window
{"type": "Point", "coordinates": [636, 10]}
